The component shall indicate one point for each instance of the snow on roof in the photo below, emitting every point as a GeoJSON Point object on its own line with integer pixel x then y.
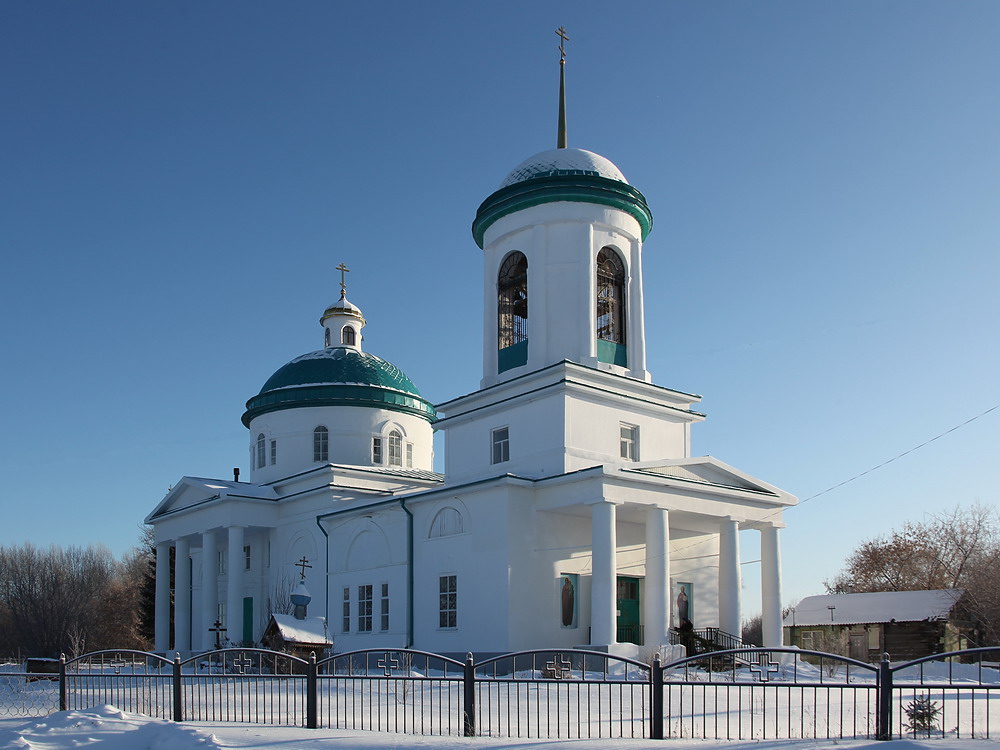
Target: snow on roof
{"type": "Point", "coordinates": [564, 161]}
{"type": "Point", "coordinates": [883, 606]}
{"type": "Point", "coordinates": [309, 630]}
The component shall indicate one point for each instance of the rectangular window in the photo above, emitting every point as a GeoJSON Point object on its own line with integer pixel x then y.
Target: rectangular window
{"type": "Point", "coordinates": [384, 624]}
{"type": "Point", "coordinates": [409, 455]}
{"type": "Point", "coordinates": [274, 452]}
{"type": "Point", "coordinates": [376, 450]}
{"type": "Point", "coordinates": [448, 602]}
{"type": "Point", "coordinates": [246, 557]}
{"type": "Point", "coordinates": [809, 638]}
{"type": "Point", "coordinates": [346, 624]}
{"type": "Point", "coordinates": [629, 442]}
{"type": "Point", "coordinates": [221, 617]}
{"type": "Point", "coordinates": [365, 608]}
{"type": "Point", "coordinates": [222, 562]}
{"type": "Point", "coordinates": [501, 445]}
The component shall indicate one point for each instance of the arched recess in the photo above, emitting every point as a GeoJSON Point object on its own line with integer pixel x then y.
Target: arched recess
{"type": "Point", "coordinates": [368, 549]}
{"type": "Point", "coordinates": [348, 336]}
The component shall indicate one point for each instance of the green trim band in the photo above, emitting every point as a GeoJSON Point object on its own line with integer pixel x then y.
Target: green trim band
{"type": "Point", "coordinates": [612, 353]}
{"type": "Point", "coordinates": [553, 188]}
{"type": "Point", "coordinates": [337, 395]}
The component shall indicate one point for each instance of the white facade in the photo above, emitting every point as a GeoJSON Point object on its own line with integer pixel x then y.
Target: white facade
{"type": "Point", "coordinates": [571, 512]}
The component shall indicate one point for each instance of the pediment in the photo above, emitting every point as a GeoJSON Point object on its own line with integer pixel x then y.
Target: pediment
{"type": "Point", "coordinates": [711, 471]}
{"type": "Point", "coordinates": [192, 491]}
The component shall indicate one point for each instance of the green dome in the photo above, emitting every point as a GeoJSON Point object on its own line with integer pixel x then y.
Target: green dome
{"type": "Point", "coordinates": [339, 376]}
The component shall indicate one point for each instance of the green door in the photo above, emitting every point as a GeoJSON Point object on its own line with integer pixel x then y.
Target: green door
{"type": "Point", "coordinates": [629, 628]}
{"type": "Point", "coordinates": [248, 619]}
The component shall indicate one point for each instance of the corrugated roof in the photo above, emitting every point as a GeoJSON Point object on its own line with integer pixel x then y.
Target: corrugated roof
{"type": "Point", "coordinates": [882, 606]}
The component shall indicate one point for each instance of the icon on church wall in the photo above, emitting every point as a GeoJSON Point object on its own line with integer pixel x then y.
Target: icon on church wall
{"type": "Point", "coordinates": [683, 606]}
{"type": "Point", "coordinates": [568, 586]}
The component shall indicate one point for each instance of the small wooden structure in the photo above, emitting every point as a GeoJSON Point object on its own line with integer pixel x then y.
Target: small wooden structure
{"type": "Point", "coordinates": [297, 637]}
{"type": "Point", "coordinates": [904, 624]}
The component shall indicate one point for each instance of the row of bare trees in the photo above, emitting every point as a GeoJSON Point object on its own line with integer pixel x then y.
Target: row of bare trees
{"type": "Point", "coordinates": [958, 549]}
{"type": "Point", "coordinates": [69, 600]}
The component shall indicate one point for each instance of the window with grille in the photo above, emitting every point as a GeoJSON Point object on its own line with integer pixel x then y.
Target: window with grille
{"type": "Point", "coordinates": [501, 445]}
{"type": "Point", "coordinates": [321, 444]}
{"type": "Point", "coordinates": [448, 602]}
{"type": "Point", "coordinates": [409, 455]}
{"type": "Point", "coordinates": [247, 559]}
{"type": "Point", "coordinates": [364, 608]}
{"type": "Point", "coordinates": [260, 450]}
{"type": "Point", "coordinates": [512, 301]}
{"type": "Point", "coordinates": [376, 450]}
{"type": "Point", "coordinates": [384, 624]}
{"type": "Point", "coordinates": [629, 441]}
{"type": "Point", "coordinates": [274, 452]}
{"type": "Point", "coordinates": [610, 296]}
{"type": "Point", "coordinates": [395, 448]}
{"type": "Point", "coordinates": [347, 336]}
{"type": "Point", "coordinates": [345, 625]}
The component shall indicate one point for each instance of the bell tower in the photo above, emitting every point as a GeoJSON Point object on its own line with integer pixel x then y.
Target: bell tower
{"type": "Point", "coordinates": [562, 241]}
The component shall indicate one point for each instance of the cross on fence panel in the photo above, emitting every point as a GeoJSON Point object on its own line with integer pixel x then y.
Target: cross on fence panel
{"type": "Point", "coordinates": [764, 694]}
{"type": "Point", "coordinates": [394, 690]}
{"type": "Point", "coordinates": [562, 694]}
{"type": "Point", "coordinates": [133, 681]}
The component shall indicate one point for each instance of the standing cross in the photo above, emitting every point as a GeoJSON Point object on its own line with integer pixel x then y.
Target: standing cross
{"type": "Point", "coordinates": [561, 33]}
{"type": "Point", "coordinates": [302, 565]}
{"type": "Point", "coordinates": [218, 630]}
{"type": "Point", "coordinates": [343, 269]}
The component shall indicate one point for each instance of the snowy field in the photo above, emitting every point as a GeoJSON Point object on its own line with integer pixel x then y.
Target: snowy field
{"type": "Point", "coordinates": [110, 729]}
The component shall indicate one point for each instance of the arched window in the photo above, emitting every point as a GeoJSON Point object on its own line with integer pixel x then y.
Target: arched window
{"type": "Point", "coordinates": [610, 296]}
{"type": "Point", "coordinates": [321, 444]}
{"type": "Point", "coordinates": [347, 336]}
{"type": "Point", "coordinates": [447, 522]}
{"type": "Point", "coordinates": [260, 450]}
{"type": "Point", "coordinates": [395, 448]}
{"type": "Point", "coordinates": [512, 301]}
{"type": "Point", "coordinates": [326, 338]}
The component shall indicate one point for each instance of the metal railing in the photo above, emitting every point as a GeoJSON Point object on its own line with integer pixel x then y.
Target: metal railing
{"type": "Point", "coordinates": [745, 693]}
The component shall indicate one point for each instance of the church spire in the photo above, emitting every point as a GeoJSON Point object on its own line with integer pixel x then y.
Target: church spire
{"type": "Point", "coordinates": [342, 321]}
{"type": "Point", "coordinates": [561, 141]}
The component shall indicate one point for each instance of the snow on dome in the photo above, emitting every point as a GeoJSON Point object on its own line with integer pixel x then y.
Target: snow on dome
{"type": "Point", "coordinates": [560, 161]}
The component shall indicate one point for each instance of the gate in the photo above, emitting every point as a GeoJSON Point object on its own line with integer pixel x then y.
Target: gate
{"type": "Point", "coordinates": [392, 690]}
{"type": "Point", "coordinates": [562, 694]}
{"type": "Point", "coordinates": [774, 693]}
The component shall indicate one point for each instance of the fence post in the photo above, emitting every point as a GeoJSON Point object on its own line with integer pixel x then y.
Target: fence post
{"type": "Point", "coordinates": [883, 729]}
{"type": "Point", "coordinates": [178, 697]}
{"type": "Point", "coordinates": [469, 708]}
{"type": "Point", "coordinates": [62, 682]}
{"type": "Point", "coordinates": [312, 688]}
{"type": "Point", "coordinates": [656, 699]}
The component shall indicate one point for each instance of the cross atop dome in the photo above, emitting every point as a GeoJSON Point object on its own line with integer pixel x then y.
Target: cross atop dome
{"type": "Point", "coordinates": [342, 321]}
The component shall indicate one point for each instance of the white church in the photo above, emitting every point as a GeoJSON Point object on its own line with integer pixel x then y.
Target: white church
{"type": "Point", "coordinates": [570, 512]}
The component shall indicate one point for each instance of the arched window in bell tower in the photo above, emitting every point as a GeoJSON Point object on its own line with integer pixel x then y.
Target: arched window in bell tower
{"type": "Point", "coordinates": [512, 308]}
{"type": "Point", "coordinates": [347, 336]}
{"type": "Point", "coordinates": [610, 296]}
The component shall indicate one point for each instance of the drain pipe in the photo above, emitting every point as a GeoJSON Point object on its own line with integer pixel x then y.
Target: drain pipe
{"type": "Point", "coordinates": [409, 557]}
{"type": "Point", "coordinates": [409, 572]}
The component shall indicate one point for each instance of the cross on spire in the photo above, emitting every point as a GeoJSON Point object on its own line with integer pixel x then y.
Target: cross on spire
{"type": "Point", "coordinates": [561, 33]}
{"type": "Point", "coordinates": [343, 287]}
{"type": "Point", "coordinates": [303, 564]}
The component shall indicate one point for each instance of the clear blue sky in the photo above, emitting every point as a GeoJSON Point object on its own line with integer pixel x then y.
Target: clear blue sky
{"type": "Point", "coordinates": [179, 179]}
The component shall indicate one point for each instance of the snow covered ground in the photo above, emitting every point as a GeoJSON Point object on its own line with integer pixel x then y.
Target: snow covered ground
{"type": "Point", "coordinates": [108, 728]}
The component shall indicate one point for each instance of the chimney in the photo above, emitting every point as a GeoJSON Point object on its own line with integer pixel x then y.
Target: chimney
{"type": "Point", "coordinates": [236, 473]}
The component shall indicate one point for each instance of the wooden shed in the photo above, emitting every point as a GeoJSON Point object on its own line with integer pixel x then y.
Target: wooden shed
{"type": "Point", "coordinates": [904, 624]}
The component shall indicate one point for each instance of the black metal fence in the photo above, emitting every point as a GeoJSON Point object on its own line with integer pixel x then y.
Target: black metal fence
{"type": "Point", "coordinates": [743, 694]}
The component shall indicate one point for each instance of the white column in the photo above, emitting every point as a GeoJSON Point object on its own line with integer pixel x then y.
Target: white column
{"type": "Point", "coordinates": [162, 619]}
{"type": "Point", "coordinates": [603, 616]}
{"type": "Point", "coordinates": [234, 590]}
{"type": "Point", "coordinates": [209, 589]}
{"type": "Point", "coordinates": [770, 585]}
{"type": "Point", "coordinates": [182, 595]}
{"type": "Point", "coordinates": [730, 581]}
{"type": "Point", "coordinates": [657, 592]}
